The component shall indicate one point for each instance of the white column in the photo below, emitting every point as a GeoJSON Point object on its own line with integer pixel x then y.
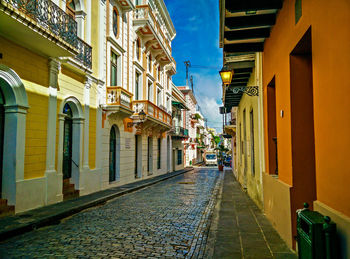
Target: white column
{"type": "Point", "coordinates": [88, 22]}
{"type": "Point", "coordinates": [14, 148]}
{"type": "Point", "coordinates": [80, 17]}
{"type": "Point", "coordinates": [88, 83]}
{"type": "Point", "coordinates": [54, 67]}
{"type": "Point", "coordinates": [53, 191]}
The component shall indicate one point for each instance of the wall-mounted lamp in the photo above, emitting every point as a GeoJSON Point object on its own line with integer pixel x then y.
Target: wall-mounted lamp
{"type": "Point", "coordinates": [226, 75]}
{"type": "Point", "coordinates": [142, 117]}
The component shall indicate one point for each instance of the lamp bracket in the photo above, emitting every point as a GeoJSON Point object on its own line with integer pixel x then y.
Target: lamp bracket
{"type": "Point", "coordinates": [248, 90]}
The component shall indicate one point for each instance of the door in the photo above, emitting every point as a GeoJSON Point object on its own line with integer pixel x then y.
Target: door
{"type": "Point", "coordinates": [150, 155]}
{"type": "Point", "coordinates": [67, 142]}
{"type": "Point", "coordinates": [2, 124]}
{"type": "Point", "coordinates": [174, 160]}
{"type": "Point", "coordinates": [112, 155]}
{"type": "Point", "coordinates": [136, 155]}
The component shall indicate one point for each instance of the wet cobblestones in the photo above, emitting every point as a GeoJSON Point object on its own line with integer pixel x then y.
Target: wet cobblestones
{"type": "Point", "coordinates": [167, 220]}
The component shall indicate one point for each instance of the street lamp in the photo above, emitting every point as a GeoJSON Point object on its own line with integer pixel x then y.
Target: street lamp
{"type": "Point", "coordinates": [142, 116]}
{"type": "Point", "coordinates": [226, 75]}
{"type": "Point", "coordinates": [141, 119]}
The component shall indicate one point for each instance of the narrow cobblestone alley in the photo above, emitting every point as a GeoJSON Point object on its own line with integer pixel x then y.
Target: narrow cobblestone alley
{"type": "Point", "coordinates": [169, 219]}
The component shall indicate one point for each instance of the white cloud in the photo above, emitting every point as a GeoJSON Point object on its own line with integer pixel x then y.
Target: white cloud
{"type": "Point", "coordinates": [208, 92]}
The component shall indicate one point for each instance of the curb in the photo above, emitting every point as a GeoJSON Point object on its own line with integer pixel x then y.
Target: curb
{"type": "Point", "coordinates": [55, 218]}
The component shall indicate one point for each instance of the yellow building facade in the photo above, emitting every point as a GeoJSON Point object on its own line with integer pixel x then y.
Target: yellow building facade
{"type": "Point", "coordinates": [69, 115]}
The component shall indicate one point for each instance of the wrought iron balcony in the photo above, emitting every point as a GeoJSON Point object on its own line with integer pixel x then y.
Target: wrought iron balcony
{"type": "Point", "coordinates": [118, 96]}
{"type": "Point", "coordinates": [46, 15]}
{"type": "Point", "coordinates": [153, 111]}
{"type": "Point", "coordinates": [180, 132]}
{"type": "Point", "coordinates": [85, 53]}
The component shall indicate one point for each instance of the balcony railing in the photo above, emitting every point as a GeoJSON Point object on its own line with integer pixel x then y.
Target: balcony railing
{"type": "Point", "coordinates": [153, 111]}
{"type": "Point", "coordinates": [180, 131]}
{"type": "Point", "coordinates": [85, 53]}
{"type": "Point", "coordinates": [48, 15]}
{"type": "Point", "coordinates": [144, 12]}
{"type": "Point", "coordinates": [116, 95]}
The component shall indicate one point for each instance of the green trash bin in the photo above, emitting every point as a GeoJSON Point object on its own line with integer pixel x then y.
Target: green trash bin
{"type": "Point", "coordinates": [316, 235]}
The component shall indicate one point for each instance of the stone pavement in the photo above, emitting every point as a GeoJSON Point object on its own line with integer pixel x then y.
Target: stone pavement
{"type": "Point", "coordinates": [240, 230]}
{"type": "Point", "coordinates": [27, 221]}
{"type": "Point", "coordinates": [166, 220]}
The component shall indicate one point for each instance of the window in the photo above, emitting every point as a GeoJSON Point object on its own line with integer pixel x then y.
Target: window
{"type": "Point", "coordinates": [159, 73]}
{"type": "Point", "coordinates": [159, 96]}
{"type": "Point", "coordinates": [138, 49]}
{"type": "Point", "coordinates": [179, 157]}
{"type": "Point", "coordinates": [298, 10]}
{"type": "Point", "coordinates": [150, 92]}
{"type": "Point", "coordinates": [252, 142]}
{"type": "Point", "coordinates": [138, 2]}
{"type": "Point", "coordinates": [137, 86]}
{"type": "Point", "coordinates": [159, 150]}
{"type": "Point", "coordinates": [115, 22]}
{"type": "Point", "coordinates": [167, 104]}
{"type": "Point", "coordinates": [114, 69]}
{"type": "Point", "coordinates": [150, 63]}
{"type": "Point", "coordinates": [70, 7]}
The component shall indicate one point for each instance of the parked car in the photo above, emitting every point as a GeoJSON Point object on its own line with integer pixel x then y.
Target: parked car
{"type": "Point", "coordinates": [228, 161]}
{"type": "Point", "coordinates": [211, 159]}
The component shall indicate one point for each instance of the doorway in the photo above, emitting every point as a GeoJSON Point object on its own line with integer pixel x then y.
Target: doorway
{"type": "Point", "coordinates": [2, 126]}
{"type": "Point", "coordinates": [302, 125]}
{"type": "Point", "coordinates": [174, 160]}
{"type": "Point", "coordinates": [271, 128]}
{"type": "Point", "coordinates": [150, 155]}
{"type": "Point", "coordinates": [138, 156]}
{"type": "Point", "coordinates": [112, 155]}
{"type": "Point", "coordinates": [67, 142]}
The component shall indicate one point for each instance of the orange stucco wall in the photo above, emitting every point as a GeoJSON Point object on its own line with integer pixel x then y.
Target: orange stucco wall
{"type": "Point", "coordinates": [329, 22]}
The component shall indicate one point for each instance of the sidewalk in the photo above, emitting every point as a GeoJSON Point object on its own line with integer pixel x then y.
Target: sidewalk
{"type": "Point", "coordinates": [52, 214]}
{"type": "Point", "coordinates": [240, 230]}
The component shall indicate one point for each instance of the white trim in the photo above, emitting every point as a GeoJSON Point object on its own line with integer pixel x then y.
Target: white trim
{"type": "Point", "coordinates": [14, 132]}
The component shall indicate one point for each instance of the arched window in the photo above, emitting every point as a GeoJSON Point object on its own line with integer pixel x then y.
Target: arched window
{"type": "Point", "coordinates": [150, 63]}
{"type": "Point", "coordinates": [115, 22]}
{"type": "Point", "coordinates": [138, 49]}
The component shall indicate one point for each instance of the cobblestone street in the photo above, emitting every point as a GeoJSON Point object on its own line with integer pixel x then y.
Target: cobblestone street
{"type": "Point", "coordinates": [169, 219]}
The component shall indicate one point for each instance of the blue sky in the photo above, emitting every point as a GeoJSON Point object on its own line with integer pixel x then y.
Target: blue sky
{"type": "Point", "coordinates": [197, 39]}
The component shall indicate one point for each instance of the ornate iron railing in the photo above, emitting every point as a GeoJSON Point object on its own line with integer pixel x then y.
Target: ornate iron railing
{"type": "Point", "coordinates": [48, 15]}
{"type": "Point", "coordinates": [85, 53]}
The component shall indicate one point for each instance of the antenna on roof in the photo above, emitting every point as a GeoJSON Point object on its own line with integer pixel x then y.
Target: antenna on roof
{"type": "Point", "coordinates": [191, 80]}
{"type": "Point", "coordinates": [187, 64]}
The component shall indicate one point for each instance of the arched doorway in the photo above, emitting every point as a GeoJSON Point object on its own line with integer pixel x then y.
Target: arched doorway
{"type": "Point", "coordinates": [14, 105]}
{"type": "Point", "coordinates": [67, 142]}
{"type": "Point", "coordinates": [114, 154]}
{"type": "Point", "coordinates": [2, 124]}
{"type": "Point", "coordinates": [69, 147]}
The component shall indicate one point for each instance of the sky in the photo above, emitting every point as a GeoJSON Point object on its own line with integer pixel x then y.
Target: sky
{"type": "Point", "coordinates": [197, 40]}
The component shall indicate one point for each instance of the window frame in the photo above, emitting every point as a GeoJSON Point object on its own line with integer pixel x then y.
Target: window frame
{"type": "Point", "coordinates": [114, 65]}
